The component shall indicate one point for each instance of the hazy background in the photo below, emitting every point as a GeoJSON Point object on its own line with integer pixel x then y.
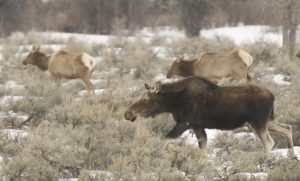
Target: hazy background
{"type": "Point", "coordinates": [112, 16]}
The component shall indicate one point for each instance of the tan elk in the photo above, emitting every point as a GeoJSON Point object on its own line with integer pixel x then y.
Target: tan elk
{"type": "Point", "coordinates": [64, 65]}
{"type": "Point", "coordinates": [214, 66]}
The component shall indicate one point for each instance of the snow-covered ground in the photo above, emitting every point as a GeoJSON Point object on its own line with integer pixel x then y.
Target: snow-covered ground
{"type": "Point", "coordinates": [239, 35]}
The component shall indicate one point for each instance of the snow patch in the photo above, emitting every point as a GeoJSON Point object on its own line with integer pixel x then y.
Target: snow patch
{"type": "Point", "coordinates": [97, 81]}
{"type": "Point", "coordinates": [160, 52]}
{"type": "Point", "coordinates": [14, 134]}
{"type": "Point", "coordinates": [251, 176]}
{"type": "Point", "coordinates": [283, 152]}
{"type": "Point", "coordinates": [86, 38]}
{"type": "Point", "coordinates": [162, 78]}
{"type": "Point", "coordinates": [162, 32]}
{"type": "Point", "coordinates": [159, 77]}
{"type": "Point", "coordinates": [190, 137]}
{"type": "Point", "coordinates": [5, 99]}
{"type": "Point", "coordinates": [244, 34]}
{"type": "Point", "coordinates": [104, 175]}
{"type": "Point", "coordinates": [18, 116]}
{"type": "Point", "coordinates": [280, 79]}
{"type": "Point", "coordinates": [97, 92]}
{"type": "Point", "coordinates": [12, 85]}
{"type": "Point", "coordinates": [68, 179]}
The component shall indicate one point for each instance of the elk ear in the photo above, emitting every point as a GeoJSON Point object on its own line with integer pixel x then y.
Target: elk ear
{"type": "Point", "coordinates": [37, 49]}
{"type": "Point", "coordinates": [33, 49]}
{"type": "Point", "coordinates": [157, 87]}
{"type": "Point", "coordinates": [147, 86]}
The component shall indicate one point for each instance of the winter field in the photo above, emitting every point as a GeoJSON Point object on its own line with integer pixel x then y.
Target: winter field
{"type": "Point", "coordinates": [51, 132]}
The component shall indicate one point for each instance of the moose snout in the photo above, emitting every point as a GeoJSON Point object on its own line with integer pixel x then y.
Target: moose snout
{"type": "Point", "coordinates": [128, 115]}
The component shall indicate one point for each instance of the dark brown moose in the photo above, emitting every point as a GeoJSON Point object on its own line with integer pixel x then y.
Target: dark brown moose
{"type": "Point", "coordinates": [64, 65]}
{"type": "Point", "coordinates": [214, 66]}
{"type": "Point", "coordinates": [196, 103]}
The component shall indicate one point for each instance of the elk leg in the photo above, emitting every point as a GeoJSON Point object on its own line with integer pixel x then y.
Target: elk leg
{"type": "Point", "coordinates": [286, 130]}
{"type": "Point", "coordinates": [202, 138]}
{"type": "Point", "coordinates": [88, 83]}
{"type": "Point", "coordinates": [240, 71]}
{"type": "Point", "coordinates": [57, 80]}
{"type": "Point", "coordinates": [265, 137]}
{"type": "Point", "coordinates": [177, 130]}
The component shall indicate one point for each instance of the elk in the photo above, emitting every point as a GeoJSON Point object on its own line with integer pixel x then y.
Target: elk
{"type": "Point", "coordinates": [64, 65]}
{"type": "Point", "coordinates": [214, 66]}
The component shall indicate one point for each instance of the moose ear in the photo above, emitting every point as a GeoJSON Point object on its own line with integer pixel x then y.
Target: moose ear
{"type": "Point", "coordinates": [147, 86]}
{"type": "Point", "coordinates": [157, 87]}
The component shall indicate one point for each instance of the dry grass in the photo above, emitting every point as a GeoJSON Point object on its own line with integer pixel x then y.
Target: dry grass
{"type": "Point", "coordinates": [71, 135]}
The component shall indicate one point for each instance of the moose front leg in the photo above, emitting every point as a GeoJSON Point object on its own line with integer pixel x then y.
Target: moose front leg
{"type": "Point", "coordinates": [178, 130]}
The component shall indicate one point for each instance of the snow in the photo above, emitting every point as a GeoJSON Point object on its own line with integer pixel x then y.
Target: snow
{"type": "Point", "coordinates": [18, 116]}
{"type": "Point", "coordinates": [279, 79]}
{"type": "Point", "coordinates": [160, 52]}
{"type": "Point", "coordinates": [251, 176]}
{"type": "Point", "coordinates": [190, 137]}
{"type": "Point", "coordinates": [104, 175]}
{"type": "Point", "coordinates": [97, 92]}
{"type": "Point", "coordinates": [244, 34]}
{"type": "Point", "coordinates": [283, 152]}
{"type": "Point", "coordinates": [162, 78]}
{"type": "Point", "coordinates": [5, 99]}
{"type": "Point", "coordinates": [12, 85]}
{"type": "Point", "coordinates": [239, 35]}
{"type": "Point", "coordinates": [162, 32]}
{"type": "Point", "coordinates": [14, 134]}
{"type": "Point", "coordinates": [68, 179]}
{"type": "Point", "coordinates": [97, 81]}
{"type": "Point", "coordinates": [159, 77]}
{"type": "Point", "coordinates": [88, 39]}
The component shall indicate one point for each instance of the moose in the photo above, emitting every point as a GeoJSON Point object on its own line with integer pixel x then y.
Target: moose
{"type": "Point", "coordinates": [64, 65]}
{"type": "Point", "coordinates": [214, 66]}
{"type": "Point", "coordinates": [196, 103]}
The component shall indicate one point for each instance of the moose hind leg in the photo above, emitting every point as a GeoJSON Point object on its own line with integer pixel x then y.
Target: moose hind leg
{"type": "Point", "coordinates": [265, 137]}
{"type": "Point", "coordinates": [202, 139]}
{"type": "Point", "coordinates": [177, 130]}
{"type": "Point", "coordinates": [286, 130]}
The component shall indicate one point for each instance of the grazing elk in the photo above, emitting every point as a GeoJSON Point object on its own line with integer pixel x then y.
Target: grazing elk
{"type": "Point", "coordinates": [196, 103]}
{"type": "Point", "coordinates": [214, 66]}
{"type": "Point", "coordinates": [64, 65]}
